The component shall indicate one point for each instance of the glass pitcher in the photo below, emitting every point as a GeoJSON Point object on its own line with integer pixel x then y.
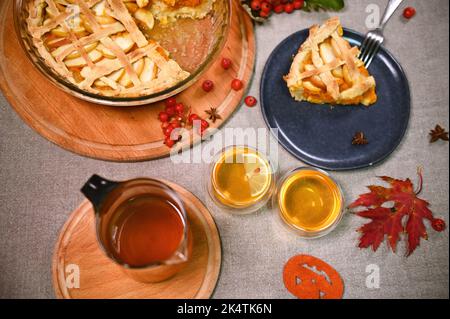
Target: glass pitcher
{"type": "Point", "coordinates": [141, 225]}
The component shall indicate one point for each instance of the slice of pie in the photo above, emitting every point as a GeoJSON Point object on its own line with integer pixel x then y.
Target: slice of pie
{"type": "Point", "coordinates": [326, 70]}
{"type": "Point", "coordinates": [102, 47]}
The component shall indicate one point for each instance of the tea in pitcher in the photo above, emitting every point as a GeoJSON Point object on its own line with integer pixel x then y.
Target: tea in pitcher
{"type": "Point", "coordinates": [145, 229]}
{"type": "Point", "coordinates": [309, 201]}
{"type": "Point", "coordinates": [241, 179]}
{"type": "Point", "coordinates": [141, 225]}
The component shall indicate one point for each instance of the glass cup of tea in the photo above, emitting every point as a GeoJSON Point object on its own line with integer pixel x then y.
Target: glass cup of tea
{"type": "Point", "coordinates": [241, 179]}
{"type": "Point", "coordinates": [309, 202]}
{"type": "Point", "coordinates": [141, 225]}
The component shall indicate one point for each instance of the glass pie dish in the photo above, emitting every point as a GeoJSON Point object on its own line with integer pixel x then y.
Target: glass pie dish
{"type": "Point", "coordinates": [189, 44]}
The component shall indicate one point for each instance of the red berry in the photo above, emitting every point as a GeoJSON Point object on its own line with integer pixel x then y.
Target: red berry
{"type": "Point", "coordinates": [409, 12]}
{"type": "Point", "coordinates": [278, 9]}
{"type": "Point", "coordinates": [298, 4]}
{"type": "Point", "coordinates": [169, 142]}
{"type": "Point", "coordinates": [164, 125]}
{"type": "Point", "coordinates": [266, 7]}
{"type": "Point", "coordinates": [168, 130]}
{"type": "Point", "coordinates": [226, 63]}
{"type": "Point", "coordinates": [236, 84]}
{"type": "Point", "coordinates": [438, 224]}
{"type": "Point", "coordinates": [274, 3]}
{"type": "Point", "coordinates": [171, 110]}
{"type": "Point", "coordinates": [179, 108]}
{"type": "Point", "coordinates": [208, 86]}
{"type": "Point", "coordinates": [193, 117]}
{"type": "Point", "coordinates": [255, 5]}
{"type": "Point", "coordinates": [176, 123]}
{"type": "Point", "coordinates": [171, 102]}
{"type": "Point", "coordinates": [163, 116]}
{"type": "Point", "coordinates": [204, 125]}
{"type": "Point", "coordinates": [250, 101]}
{"type": "Point", "coordinates": [264, 14]}
{"type": "Point", "coordinates": [201, 130]}
{"type": "Point", "coordinates": [288, 8]}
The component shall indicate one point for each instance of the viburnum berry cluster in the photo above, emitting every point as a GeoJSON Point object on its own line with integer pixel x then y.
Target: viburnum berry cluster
{"type": "Point", "coordinates": [176, 116]}
{"type": "Point", "coordinates": [260, 10]}
{"type": "Point", "coordinates": [264, 8]}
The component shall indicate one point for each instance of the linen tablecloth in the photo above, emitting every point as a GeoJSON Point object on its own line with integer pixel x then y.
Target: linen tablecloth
{"type": "Point", "coordinates": [40, 182]}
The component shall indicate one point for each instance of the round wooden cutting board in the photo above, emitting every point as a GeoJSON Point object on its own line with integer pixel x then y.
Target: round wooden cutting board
{"type": "Point", "coordinates": [116, 133]}
{"type": "Point", "coordinates": [101, 278]}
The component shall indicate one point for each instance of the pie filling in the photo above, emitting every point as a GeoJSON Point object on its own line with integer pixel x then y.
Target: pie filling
{"type": "Point", "coordinates": [327, 70]}
{"type": "Point", "coordinates": [104, 47]}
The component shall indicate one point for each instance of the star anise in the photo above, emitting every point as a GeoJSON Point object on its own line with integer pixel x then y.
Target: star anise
{"type": "Point", "coordinates": [213, 115]}
{"type": "Point", "coordinates": [437, 134]}
{"type": "Point", "coordinates": [360, 139]}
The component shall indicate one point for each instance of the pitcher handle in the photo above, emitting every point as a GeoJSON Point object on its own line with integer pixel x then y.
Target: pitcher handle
{"type": "Point", "coordinates": [96, 189]}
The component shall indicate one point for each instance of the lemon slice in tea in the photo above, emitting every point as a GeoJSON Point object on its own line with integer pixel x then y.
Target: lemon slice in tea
{"type": "Point", "coordinates": [241, 177]}
{"type": "Point", "coordinates": [257, 173]}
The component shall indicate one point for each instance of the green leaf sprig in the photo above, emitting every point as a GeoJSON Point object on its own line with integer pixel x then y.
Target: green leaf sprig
{"type": "Point", "coordinates": [326, 5]}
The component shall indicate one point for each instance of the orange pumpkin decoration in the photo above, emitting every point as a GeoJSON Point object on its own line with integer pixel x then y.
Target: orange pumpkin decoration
{"type": "Point", "coordinates": [308, 277]}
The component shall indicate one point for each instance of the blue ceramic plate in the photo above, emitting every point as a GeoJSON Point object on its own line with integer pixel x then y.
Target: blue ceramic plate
{"type": "Point", "coordinates": [321, 135]}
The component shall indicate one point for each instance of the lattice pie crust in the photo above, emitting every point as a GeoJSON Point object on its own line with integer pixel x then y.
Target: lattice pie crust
{"type": "Point", "coordinates": [327, 70]}
{"type": "Point", "coordinates": [100, 46]}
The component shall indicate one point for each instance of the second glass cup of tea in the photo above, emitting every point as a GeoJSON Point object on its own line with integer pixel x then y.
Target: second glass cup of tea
{"type": "Point", "coordinates": [241, 179]}
{"type": "Point", "coordinates": [309, 201]}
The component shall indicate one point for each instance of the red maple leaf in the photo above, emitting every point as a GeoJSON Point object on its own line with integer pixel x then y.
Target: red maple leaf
{"type": "Point", "coordinates": [405, 214]}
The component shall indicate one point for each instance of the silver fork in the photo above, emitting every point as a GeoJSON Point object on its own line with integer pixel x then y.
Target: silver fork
{"type": "Point", "coordinates": [374, 39]}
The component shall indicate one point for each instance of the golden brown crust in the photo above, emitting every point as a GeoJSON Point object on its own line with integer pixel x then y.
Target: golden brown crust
{"type": "Point", "coordinates": [98, 46]}
{"type": "Point", "coordinates": [326, 69]}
